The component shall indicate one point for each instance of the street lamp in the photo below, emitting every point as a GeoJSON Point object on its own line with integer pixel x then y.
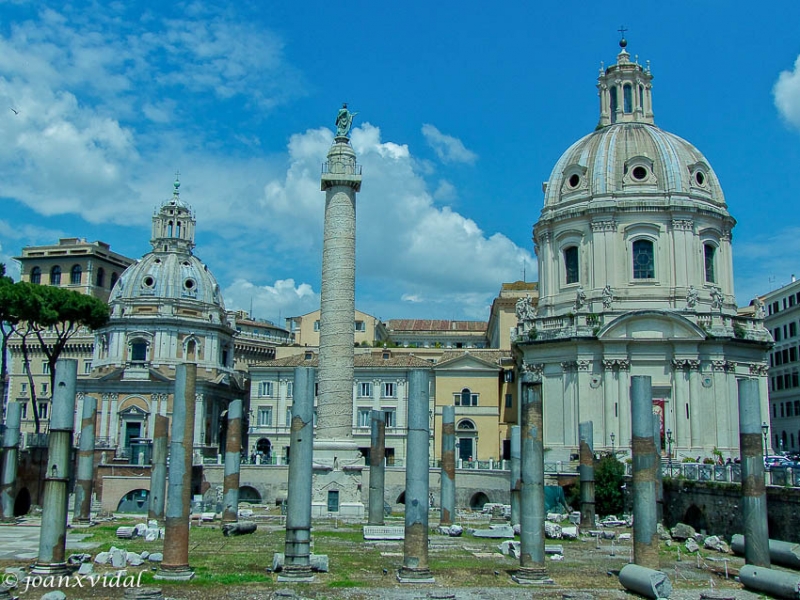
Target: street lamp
{"type": "Point", "coordinates": [613, 437]}
{"type": "Point", "coordinates": [765, 432]}
{"type": "Point", "coordinates": [669, 450]}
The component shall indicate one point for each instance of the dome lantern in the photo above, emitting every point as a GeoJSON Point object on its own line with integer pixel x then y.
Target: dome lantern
{"type": "Point", "coordinates": [625, 91]}
{"type": "Point", "coordinates": [173, 225]}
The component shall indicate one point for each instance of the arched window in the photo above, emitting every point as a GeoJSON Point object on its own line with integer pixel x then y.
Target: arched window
{"type": "Point", "coordinates": [708, 253]}
{"type": "Point", "coordinates": [36, 275]}
{"type": "Point", "coordinates": [627, 98]}
{"type": "Point", "coordinates": [101, 277]}
{"type": "Point", "coordinates": [169, 229]}
{"type": "Point", "coordinates": [571, 264]}
{"type": "Point", "coordinates": [55, 275]}
{"type": "Point", "coordinates": [75, 275]}
{"type": "Point", "coordinates": [178, 229]}
{"type": "Point", "coordinates": [466, 424]}
{"type": "Point", "coordinates": [114, 278]}
{"type": "Point", "coordinates": [465, 398]}
{"type": "Point", "coordinates": [191, 350]}
{"type": "Point", "coordinates": [643, 260]}
{"type": "Point", "coordinates": [641, 97]}
{"type": "Point", "coordinates": [614, 103]}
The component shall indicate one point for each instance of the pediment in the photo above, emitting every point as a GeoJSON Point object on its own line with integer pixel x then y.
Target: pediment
{"type": "Point", "coordinates": [132, 411]}
{"type": "Point", "coordinates": [466, 362]}
{"type": "Point", "coordinates": [651, 325]}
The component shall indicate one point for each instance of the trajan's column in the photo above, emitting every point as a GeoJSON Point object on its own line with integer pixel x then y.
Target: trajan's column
{"type": "Point", "coordinates": [341, 179]}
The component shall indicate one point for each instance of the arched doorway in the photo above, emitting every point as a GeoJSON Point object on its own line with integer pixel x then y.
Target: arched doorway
{"type": "Point", "coordinates": [264, 449]}
{"type": "Point", "coordinates": [135, 501]}
{"type": "Point", "coordinates": [467, 440]}
{"type": "Point", "coordinates": [249, 494]}
{"type": "Point", "coordinates": [478, 500]}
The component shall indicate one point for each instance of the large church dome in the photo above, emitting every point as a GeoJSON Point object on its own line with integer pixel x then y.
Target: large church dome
{"type": "Point", "coordinates": [634, 159]}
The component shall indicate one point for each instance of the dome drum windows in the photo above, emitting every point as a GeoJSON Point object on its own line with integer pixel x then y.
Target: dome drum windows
{"type": "Point", "coordinates": [643, 255]}
{"type": "Point", "coordinates": [709, 262]}
{"type": "Point", "coordinates": [574, 179]}
{"type": "Point", "coordinates": [571, 264]}
{"type": "Point", "coordinates": [639, 171]}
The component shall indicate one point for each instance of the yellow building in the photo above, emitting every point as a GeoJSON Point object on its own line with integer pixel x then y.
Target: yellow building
{"type": "Point", "coordinates": [367, 329]}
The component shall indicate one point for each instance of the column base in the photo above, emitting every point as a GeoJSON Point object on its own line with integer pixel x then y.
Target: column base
{"type": "Point", "coordinates": [532, 576]}
{"type": "Point", "coordinates": [183, 573]}
{"type": "Point", "coordinates": [296, 574]}
{"type": "Point", "coordinates": [49, 569]}
{"type": "Point", "coordinates": [408, 575]}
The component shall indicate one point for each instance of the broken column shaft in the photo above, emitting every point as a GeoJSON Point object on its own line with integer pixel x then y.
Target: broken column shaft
{"type": "Point", "coordinates": [586, 469]}
{"type": "Point", "coordinates": [448, 485]}
{"type": "Point", "coordinates": [297, 565]}
{"type": "Point", "coordinates": [233, 461]}
{"type": "Point", "coordinates": [10, 457]}
{"type": "Point", "coordinates": [175, 565]}
{"type": "Point", "coordinates": [754, 492]}
{"type": "Point", "coordinates": [516, 482]}
{"type": "Point", "coordinates": [377, 469]}
{"type": "Point", "coordinates": [158, 473]}
{"type": "Point", "coordinates": [532, 565]}
{"type": "Point", "coordinates": [415, 546]}
{"type": "Point", "coordinates": [85, 479]}
{"type": "Point", "coordinates": [53, 533]}
{"type": "Point", "coordinates": [645, 535]}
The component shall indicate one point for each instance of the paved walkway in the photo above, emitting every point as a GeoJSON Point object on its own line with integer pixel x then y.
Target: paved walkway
{"type": "Point", "coordinates": [21, 542]}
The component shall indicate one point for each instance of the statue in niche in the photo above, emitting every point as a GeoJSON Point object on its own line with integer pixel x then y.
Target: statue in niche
{"type": "Point", "coordinates": [608, 296]}
{"type": "Point", "coordinates": [344, 121]}
{"type": "Point", "coordinates": [691, 297]}
{"type": "Point", "coordinates": [716, 299]}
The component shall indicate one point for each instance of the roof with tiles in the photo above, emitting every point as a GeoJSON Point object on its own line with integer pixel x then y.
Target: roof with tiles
{"type": "Point", "coordinates": [437, 325]}
{"type": "Point", "coordinates": [373, 359]}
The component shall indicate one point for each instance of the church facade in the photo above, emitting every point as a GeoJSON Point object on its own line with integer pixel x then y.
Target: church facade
{"type": "Point", "coordinates": [636, 278]}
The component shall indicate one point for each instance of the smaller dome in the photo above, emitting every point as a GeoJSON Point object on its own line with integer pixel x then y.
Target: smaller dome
{"type": "Point", "coordinates": [168, 276]}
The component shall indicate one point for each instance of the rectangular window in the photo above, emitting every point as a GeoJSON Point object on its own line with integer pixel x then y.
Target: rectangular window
{"type": "Point", "coordinates": [46, 368]}
{"type": "Point", "coordinates": [777, 334]}
{"type": "Point", "coordinates": [793, 354]}
{"type": "Point", "coordinates": [389, 390]}
{"type": "Point", "coordinates": [365, 389]}
{"type": "Point", "coordinates": [288, 416]}
{"type": "Point", "coordinates": [571, 264]}
{"type": "Point", "coordinates": [774, 411]}
{"type": "Point", "coordinates": [44, 389]}
{"type": "Point", "coordinates": [389, 415]}
{"type": "Point", "coordinates": [23, 388]}
{"type": "Point", "coordinates": [788, 409]}
{"type": "Point", "coordinates": [364, 417]}
{"type": "Point", "coordinates": [709, 252]}
{"type": "Point", "coordinates": [265, 388]}
{"type": "Point", "coordinates": [783, 409]}
{"type": "Point", "coordinates": [360, 326]}
{"type": "Point", "coordinates": [23, 410]}
{"type": "Point", "coordinates": [797, 407]}
{"type": "Point", "coordinates": [509, 401]}
{"type": "Point", "coordinates": [42, 410]}
{"type": "Point", "coordinates": [87, 367]}
{"type": "Point", "coordinates": [791, 300]}
{"type": "Point", "coordinates": [787, 381]}
{"type": "Point", "coordinates": [290, 389]}
{"type": "Point", "coordinates": [643, 260]}
{"type": "Point", "coordinates": [265, 417]}
{"type": "Point", "coordinates": [316, 325]}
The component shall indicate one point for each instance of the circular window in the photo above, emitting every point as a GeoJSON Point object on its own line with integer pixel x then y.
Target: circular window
{"type": "Point", "coordinates": [186, 263]}
{"type": "Point", "coordinates": [157, 261]}
{"type": "Point", "coordinates": [149, 281]}
{"type": "Point", "coordinates": [189, 284]}
{"type": "Point", "coordinates": [639, 173]}
{"type": "Point", "coordinates": [700, 178]}
{"type": "Point", "coordinates": [574, 180]}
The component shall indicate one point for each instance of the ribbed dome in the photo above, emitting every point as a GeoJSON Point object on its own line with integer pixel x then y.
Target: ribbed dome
{"type": "Point", "coordinates": [168, 276]}
{"type": "Point", "coordinates": [631, 159]}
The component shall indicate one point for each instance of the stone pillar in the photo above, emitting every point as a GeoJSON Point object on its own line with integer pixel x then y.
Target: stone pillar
{"type": "Point", "coordinates": [533, 568]}
{"type": "Point", "coordinates": [8, 494]}
{"type": "Point", "coordinates": [53, 534]}
{"type": "Point", "coordinates": [340, 182]}
{"type": "Point", "coordinates": [586, 469]}
{"type": "Point", "coordinates": [233, 461]}
{"type": "Point", "coordinates": [754, 492]}
{"type": "Point", "coordinates": [377, 469]}
{"type": "Point", "coordinates": [516, 482]}
{"type": "Point", "coordinates": [158, 473]}
{"type": "Point", "coordinates": [85, 480]}
{"type": "Point", "coordinates": [448, 470]}
{"type": "Point", "coordinates": [175, 565]}
{"type": "Point", "coordinates": [645, 535]}
{"type": "Point", "coordinates": [415, 546]}
{"type": "Point", "coordinates": [297, 549]}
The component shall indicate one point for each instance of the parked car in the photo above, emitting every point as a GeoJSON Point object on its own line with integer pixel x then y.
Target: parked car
{"type": "Point", "coordinates": [777, 462]}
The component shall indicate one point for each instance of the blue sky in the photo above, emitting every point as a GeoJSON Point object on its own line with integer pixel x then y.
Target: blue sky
{"type": "Point", "coordinates": [464, 108]}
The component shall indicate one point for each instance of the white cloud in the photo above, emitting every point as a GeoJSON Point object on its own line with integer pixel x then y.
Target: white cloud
{"type": "Point", "coordinates": [787, 94]}
{"type": "Point", "coordinates": [449, 149]}
{"type": "Point", "coordinates": [282, 299]}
